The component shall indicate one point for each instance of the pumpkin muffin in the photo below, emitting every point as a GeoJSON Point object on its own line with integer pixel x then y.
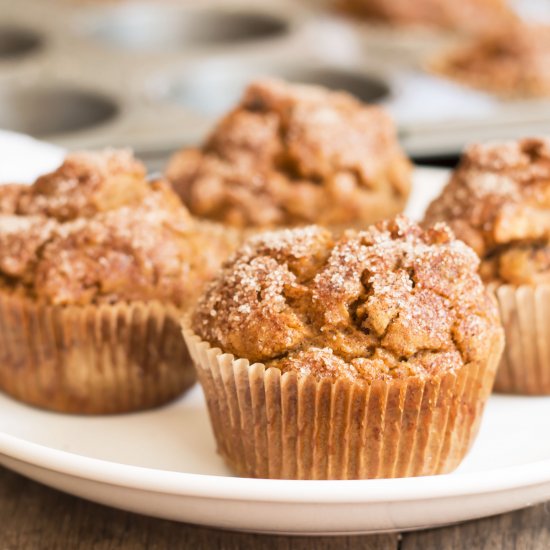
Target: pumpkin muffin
{"type": "Point", "coordinates": [367, 355]}
{"type": "Point", "coordinates": [292, 155]}
{"type": "Point", "coordinates": [511, 63]}
{"type": "Point", "coordinates": [498, 201]}
{"type": "Point", "coordinates": [92, 286]}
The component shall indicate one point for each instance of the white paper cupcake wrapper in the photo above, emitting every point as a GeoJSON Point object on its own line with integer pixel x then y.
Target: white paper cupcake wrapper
{"type": "Point", "coordinates": [92, 359]}
{"type": "Point", "coordinates": [525, 364]}
{"type": "Point", "coordinates": [273, 425]}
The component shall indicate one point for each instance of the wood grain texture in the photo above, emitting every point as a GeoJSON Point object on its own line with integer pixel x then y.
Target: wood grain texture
{"type": "Point", "coordinates": [527, 529]}
{"type": "Point", "coordinates": [35, 517]}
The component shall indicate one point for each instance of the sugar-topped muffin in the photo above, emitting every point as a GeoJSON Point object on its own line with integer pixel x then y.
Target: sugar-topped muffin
{"type": "Point", "coordinates": [512, 62]}
{"type": "Point", "coordinates": [498, 201]}
{"type": "Point", "coordinates": [93, 279]}
{"type": "Point", "coordinates": [292, 155]}
{"type": "Point", "coordinates": [368, 311]}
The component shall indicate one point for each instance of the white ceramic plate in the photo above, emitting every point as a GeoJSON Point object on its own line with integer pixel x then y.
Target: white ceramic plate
{"type": "Point", "coordinates": [163, 463]}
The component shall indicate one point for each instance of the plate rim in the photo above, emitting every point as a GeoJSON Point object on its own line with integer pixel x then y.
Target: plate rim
{"type": "Point", "coordinates": [218, 487]}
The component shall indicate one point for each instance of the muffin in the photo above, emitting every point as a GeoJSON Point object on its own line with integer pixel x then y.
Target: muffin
{"type": "Point", "coordinates": [511, 63]}
{"type": "Point", "coordinates": [468, 16]}
{"type": "Point", "coordinates": [498, 201]}
{"type": "Point", "coordinates": [291, 155]}
{"type": "Point", "coordinates": [365, 355]}
{"type": "Point", "coordinates": [97, 266]}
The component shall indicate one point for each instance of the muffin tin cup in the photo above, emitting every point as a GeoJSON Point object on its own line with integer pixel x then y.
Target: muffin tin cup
{"type": "Point", "coordinates": [92, 359]}
{"type": "Point", "coordinates": [525, 314]}
{"type": "Point", "coordinates": [54, 109]}
{"type": "Point", "coordinates": [273, 425]}
{"type": "Point", "coordinates": [16, 42]}
{"type": "Point", "coordinates": [149, 28]}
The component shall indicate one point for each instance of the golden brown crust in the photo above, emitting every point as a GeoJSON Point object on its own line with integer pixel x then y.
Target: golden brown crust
{"type": "Point", "coordinates": [469, 16]}
{"type": "Point", "coordinates": [131, 240]}
{"type": "Point", "coordinates": [86, 183]}
{"type": "Point", "coordinates": [513, 63]}
{"type": "Point", "coordinates": [389, 302]}
{"type": "Point", "coordinates": [498, 202]}
{"type": "Point", "coordinates": [293, 155]}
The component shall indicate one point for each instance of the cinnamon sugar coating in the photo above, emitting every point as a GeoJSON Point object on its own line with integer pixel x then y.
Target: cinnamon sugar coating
{"type": "Point", "coordinates": [293, 155]}
{"type": "Point", "coordinates": [498, 201]}
{"type": "Point", "coordinates": [469, 16]}
{"type": "Point", "coordinates": [86, 183]}
{"type": "Point", "coordinates": [511, 63]}
{"type": "Point", "coordinates": [389, 302]}
{"type": "Point", "coordinates": [120, 247]}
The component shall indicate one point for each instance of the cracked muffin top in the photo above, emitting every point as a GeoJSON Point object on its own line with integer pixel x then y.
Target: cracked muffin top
{"type": "Point", "coordinates": [142, 247]}
{"type": "Point", "coordinates": [468, 16]}
{"type": "Point", "coordinates": [86, 183]}
{"type": "Point", "coordinates": [513, 63]}
{"type": "Point", "coordinates": [498, 201]}
{"type": "Point", "coordinates": [389, 302]}
{"type": "Point", "coordinates": [293, 155]}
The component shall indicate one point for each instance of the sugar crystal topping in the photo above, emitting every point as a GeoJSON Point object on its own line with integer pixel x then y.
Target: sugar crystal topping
{"type": "Point", "coordinates": [498, 201]}
{"type": "Point", "coordinates": [96, 230]}
{"type": "Point", "coordinates": [387, 301]}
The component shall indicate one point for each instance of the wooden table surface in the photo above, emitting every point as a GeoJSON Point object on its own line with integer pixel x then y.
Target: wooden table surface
{"type": "Point", "coordinates": [36, 517]}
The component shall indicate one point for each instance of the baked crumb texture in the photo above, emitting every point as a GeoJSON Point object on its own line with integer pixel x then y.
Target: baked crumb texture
{"type": "Point", "coordinates": [97, 231]}
{"type": "Point", "coordinates": [468, 16]}
{"type": "Point", "coordinates": [393, 301]}
{"type": "Point", "coordinates": [498, 201]}
{"type": "Point", "coordinates": [512, 63]}
{"type": "Point", "coordinates": [376, 352]}
{"type": "Point", "coordinates": [294, 155]}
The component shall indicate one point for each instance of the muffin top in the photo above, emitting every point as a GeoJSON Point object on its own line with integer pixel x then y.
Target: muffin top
{"type": "Point", "coordinates": [115, 246]}
{"type": "Point", "coordinates": [498, 201]}
{"type": "Point", "coordinates": [511, 63]}
{"type": "Point", "coordinates": [389, 302]}
{"type": "Point", "coordinates": [85, 184]}
{"type": "Point", "coordinates": [469, 16]}
{"type": "Point", "coordinates": [292, 155]}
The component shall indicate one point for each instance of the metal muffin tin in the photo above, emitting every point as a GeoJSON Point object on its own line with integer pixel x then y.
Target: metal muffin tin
{"type": "Point", "coordinates": [155, 76]}
{"type": "Point", "coordinates": [16, 42]}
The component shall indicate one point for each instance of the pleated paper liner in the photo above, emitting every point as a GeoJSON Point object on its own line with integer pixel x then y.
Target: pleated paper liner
{"type": "Point", "coordinates": [92, 359]}
{"type": "Point", "coordinates": [273, 425]}
{"type": "Point", "coordinates": [525, 315]}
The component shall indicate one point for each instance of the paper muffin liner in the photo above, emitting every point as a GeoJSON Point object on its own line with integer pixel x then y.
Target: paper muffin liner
{"type": "Point", "coordinates": [525, 314]}
{"type": "Point", "coordinates": [92, 359]}
{"type": "Point", "coordinates": [273, 425]}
